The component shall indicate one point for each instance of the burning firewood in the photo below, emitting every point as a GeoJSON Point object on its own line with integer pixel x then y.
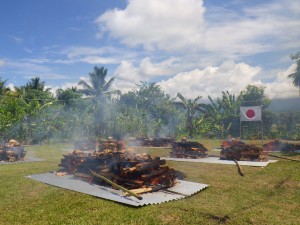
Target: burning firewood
{"type": "Point", "coordinates": [12, 151]}
{"type": "Point", "coordinates": [188, 149]}
{"type": "Point", "coordinates": [277, 145]}
{"type": "Point", "coordinates": [237, 150]}
{"type": "Point", "coordinates": [116, 185]}
{"type": "Point", "coordinates": [112, 161]}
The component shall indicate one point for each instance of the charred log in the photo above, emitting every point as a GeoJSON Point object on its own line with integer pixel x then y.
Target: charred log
{"type": "Point", "coordinates": [277, 145]}
{"type": "Point", "coordinates": [237, 150]}
{"type": "Point", "coordinates": [12, 151]}
{"type": "Point", "coordinates": [188, 149]}
{"type": "Point", "coordinates": [131, 171]}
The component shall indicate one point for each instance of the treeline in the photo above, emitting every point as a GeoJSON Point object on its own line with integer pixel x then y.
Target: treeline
{"type": "Point", "coordinates": [33, 114]}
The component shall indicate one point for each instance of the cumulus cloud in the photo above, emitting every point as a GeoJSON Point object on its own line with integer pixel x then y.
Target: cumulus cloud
{"type": "Point", "coordinates": [183, 25]}
{"type": "Point", "coordinates": [127, 74]}
{"type": "Point", "coordinates": [167, 25]}
{"type": "Point", "coordinates": [211, 80]}
{"type": "Point", "coordinates": [282, 86]}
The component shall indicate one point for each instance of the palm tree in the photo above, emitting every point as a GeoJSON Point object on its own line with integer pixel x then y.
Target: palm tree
{"type": "Point", "coordinates": [191, 107]}
{"type": "Point", "coordinates": [296, 75]}
{"type": "Point", "coordinates": [36, 84]}
{"type": "Point", "coordinates": [99, 86]}
{"type": "Point", "coordinates": [98, 89]}
{"type": "Point", "coordinates": [3, 89]}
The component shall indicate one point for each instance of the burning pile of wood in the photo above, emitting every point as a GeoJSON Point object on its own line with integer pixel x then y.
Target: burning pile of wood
{"type": "Point", "coordinates": [12, 151]}
{"type": "Point", "coordinates": [123, 168]}
{"type": "Point", "coordinates": [188, 149]}
{"type": "Point", "coordinates": [237, 150]}
{"type": "Point", "coordinates": [277, 145]}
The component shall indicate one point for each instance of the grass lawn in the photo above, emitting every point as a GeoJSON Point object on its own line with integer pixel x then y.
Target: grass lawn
{"type": "Point", "coordinates": [269, 195]}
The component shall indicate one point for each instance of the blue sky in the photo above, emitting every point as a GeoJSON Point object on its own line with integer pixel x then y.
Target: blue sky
{"type": "Point", "coordinates": [189, 46]}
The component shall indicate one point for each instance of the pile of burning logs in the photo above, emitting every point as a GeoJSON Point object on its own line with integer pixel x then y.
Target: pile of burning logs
{"type": "Point", "coordinates": [237, 150]}
{"type": "Point", "coordinates": [188, 149]}
{"type": "Point", "coordinates": [111, 162]}
{"type": "Point", "coordinates": [12, 151]}
{"type": "Point", "coordinates": [277, 145]}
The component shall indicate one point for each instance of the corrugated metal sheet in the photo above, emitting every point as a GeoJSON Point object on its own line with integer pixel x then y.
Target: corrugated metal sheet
{"type": "Point", "coordinates": [220, 161]}
{"type": "Point", "coordinates": [181, 190]}
{"type": "Point", "coordinates": [22, 161]}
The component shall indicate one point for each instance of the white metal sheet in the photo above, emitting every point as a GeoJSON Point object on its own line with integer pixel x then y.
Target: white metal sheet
{"type": "Point", "coordinates": [22, 161]}
{"type": "Point", "coordinates": [220, 161]}
{"type": "Point", "coordinates": [181, 190]}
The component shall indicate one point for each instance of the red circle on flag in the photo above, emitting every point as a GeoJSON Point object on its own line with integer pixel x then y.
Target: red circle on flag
{"type": "Point", "coordinates": [250, 113]}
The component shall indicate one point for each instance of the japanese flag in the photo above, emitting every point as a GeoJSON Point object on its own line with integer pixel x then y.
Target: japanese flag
{"type": "Point", "coordinates": [251, 113]}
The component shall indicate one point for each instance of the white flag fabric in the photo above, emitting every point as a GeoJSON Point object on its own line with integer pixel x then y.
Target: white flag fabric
{"type": "Point", "coordinates": [251, 113]}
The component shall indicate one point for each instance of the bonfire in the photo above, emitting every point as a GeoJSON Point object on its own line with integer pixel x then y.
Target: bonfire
{"type": "Point", "coordinates": [188, 149]}
{"type": "Point", "coordinates": [277, 145]}
{"type": "Point", "coordinates": [111, 164]}
{"type": "Point", "coordinates": [12, 151]}
{"type": "Point", "coordinates": [234, 149]}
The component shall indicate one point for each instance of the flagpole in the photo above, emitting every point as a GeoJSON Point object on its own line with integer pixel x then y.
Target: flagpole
{"type": "Point", "coordinates": [241, 129]}
{"type": "Point", "coordinates": [262, 133]}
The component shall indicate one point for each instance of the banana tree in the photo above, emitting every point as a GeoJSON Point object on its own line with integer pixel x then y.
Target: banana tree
{"type": "Point", "coordinates": [191, 107]}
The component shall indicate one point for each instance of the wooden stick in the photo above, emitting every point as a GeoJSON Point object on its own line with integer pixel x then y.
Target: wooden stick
{"type": "Point", "coordinates": [140, 190]}
{"type": "Point", "coordinates": [116, 185]}
{"type": "Point", "coordinates": [239, 168]}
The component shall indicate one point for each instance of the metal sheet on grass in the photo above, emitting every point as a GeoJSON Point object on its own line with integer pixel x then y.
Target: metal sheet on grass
{"type": "Point", "coordinates": [181, 190]}
{"type": "Point", "coordinates": [220, 161]}
{"type": "Point", "coordinates": [22, 161]}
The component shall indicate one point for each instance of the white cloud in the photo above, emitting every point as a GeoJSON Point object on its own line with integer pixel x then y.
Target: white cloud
{"type": "Point", "coordinates": [127, 74]}
{"type": "Point", "coordinates": [269, 27]}
{"type": "Point", "coordinates": [2, 62]}
{"type": "Point", "coordinates": [282, 86]}
{"type": "Point", "coordinates": [90, 55]}
{"type": "Point", "coordinates": [48, 76]}
{"type": "Point", "coordinates": [211, 80]}
{"type": "Point", "coordinates": [167, 25]}
{"type": "Point", "coordinates": [181, 25]}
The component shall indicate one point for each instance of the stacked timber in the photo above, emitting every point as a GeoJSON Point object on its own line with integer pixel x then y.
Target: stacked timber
{"type": "Point", "coordinates": [234, 149]}
{"type": "Point", "coordinates": [12, 151]}
{"type": "Point", "coordinates": [277, 145]}
{"type": "Point", "coordinates": [188, 149]}
{"type": "Point", "coordinates": [124, 168]}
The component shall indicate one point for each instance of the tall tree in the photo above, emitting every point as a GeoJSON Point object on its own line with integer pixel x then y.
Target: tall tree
{"type": "Point", "coordinates": [296, 75]}
{"type": "Point", "coordinates": [36, 84]}
{"type": "Point", "coordinates": [255, 96]}
{"type": "Point", "coordinates": [98, 90]}
{"type": "Point", "coordinates": [191, 107]}
{"type": "Point", "coordinates": [3, 88]}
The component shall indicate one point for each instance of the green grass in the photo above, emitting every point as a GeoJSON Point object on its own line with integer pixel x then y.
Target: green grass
{"type": "Point", "coordinates": [269, 195]}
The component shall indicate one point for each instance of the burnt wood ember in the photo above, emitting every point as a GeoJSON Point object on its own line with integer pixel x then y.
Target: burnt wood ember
{"type": "Point", "coordinates": [188, 149]}
{"type": "Point", "coordinates": [237, 150]}
{"type": "Point", "coordinates": [277, 145]}
{"type": "Point", "coordinates": [12, 151]}
{"type": "Point", "coordinates": [129, 170]}
{"type": "Point", "coordinates": [110, 145]}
